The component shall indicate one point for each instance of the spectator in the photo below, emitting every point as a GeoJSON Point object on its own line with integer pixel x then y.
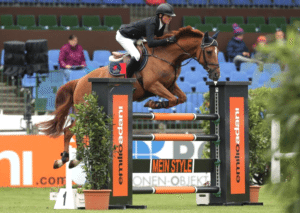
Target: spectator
{"type": "Point", "coordinates": [279, 36]}
{"type": "Point", "coordinates": [237, 50]}
{"type": "Point", "coordinates": [261, 41]}
{"type": "Point", "coordinates": [71, 54]}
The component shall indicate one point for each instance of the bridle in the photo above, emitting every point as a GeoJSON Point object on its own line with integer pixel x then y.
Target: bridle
{"type": "Point", "coordinates": [202, 51]}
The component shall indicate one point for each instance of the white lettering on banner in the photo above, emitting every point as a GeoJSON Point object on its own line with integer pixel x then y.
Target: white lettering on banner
{"type": "Point", "coordinates": [141, 179]}
{"type": "Point", "coordinates": [14, 160]}
{"type": "Point", "coordinates": [120, 152]}
{"type": "Point", "coordinates": [237, 142]}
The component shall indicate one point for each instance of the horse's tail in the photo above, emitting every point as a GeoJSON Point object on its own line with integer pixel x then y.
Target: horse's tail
{"type": "Point", "coordinates": [63, 103]}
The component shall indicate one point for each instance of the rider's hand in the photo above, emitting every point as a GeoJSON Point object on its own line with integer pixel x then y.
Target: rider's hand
{"type": "Point", "coordinates": [82, 65]}
{"type": "Point", "coordinates": [172, 39]}
{"type": "Point", "coordinates": [68, 66]}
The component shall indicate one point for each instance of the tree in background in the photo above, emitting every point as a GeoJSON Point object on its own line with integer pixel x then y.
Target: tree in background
{"type": "Point", "coordinates": [285, 105]}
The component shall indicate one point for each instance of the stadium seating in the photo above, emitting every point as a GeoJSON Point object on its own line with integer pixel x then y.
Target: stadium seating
{"type": "Point", "coordinates": [262, 2]}
{"type": "Point", "coordinates": [220, 2]}
{"type": "Point", "coordinates": [181, 2]}
{"type": "Point", "coordinates": [101, 56]}
{"type": "Point", "coordinates": [225, 27]}
{"type": "Point", "coordinates": [47, 20]}
{"type": "Point", "coordinates": [267, 28]}
{"type": "Point", "coordinates": [277, 21]}
{"type": "Point", "coordinates": [29, 81]}
{"type": "Point", "coordinates": [272, 68]}
{"type": "Point", "coordinates": [113, 2]}
{"type": "Point", "coordinates": [26, 20]}
{"type": "Point", "coordinates": [113, 21]}
{"type": "Point", "coordinates": [204, 27]}
{"type": "Point", "coordinates": [191, 20]}
{"type": "Point", "coordinates": [6, 20]}
{"type": "Point", "coordinates": [258, 20]}
{"type": "Point", "coordinates": [234, 19]}
{"type": "Point", "coordinates": [241, 2]}
{"type": "Point", "coordinates": [238, 76]}
{"type": "Point", "coordinates": [184, 86]}
{"type": "Point", "coordinates": [91, 21]}
{"type": "Point", "coordinates": [86, 55]}
{"type": "Point", "coordinates": [283, 3]}
{"type": "Point", "coordinates": [53, 55]}
{"type": "Point", "coordinates": [2, 57]}
{"type": "Point", "coordinates": [201, 87]}
{"type": "Point", "coordinates": [69, 1]}
{"type": "Point", "coordinates": [69, 21]}
{"type": "Point", "coordinates": [221, 57]}
{"type": "Point", "coordinates": [227, 69]}
{"type": "Point", "coordinates": [134, 2]}
{"type": "Point", "coordinates": [249, 69]}
{"type": "Point", "coordinates": [248, 28]}
{"type": "Point", "coordinates": [96, 2]}
{"type": "Point", "coordinates": [214, 20]}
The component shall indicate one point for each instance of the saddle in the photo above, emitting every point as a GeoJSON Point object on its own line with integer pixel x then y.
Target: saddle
{"type": "Point", "coordinates": [118, 61]}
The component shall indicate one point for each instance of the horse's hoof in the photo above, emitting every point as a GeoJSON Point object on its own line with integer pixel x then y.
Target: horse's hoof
{"type": "Point", "coordinates": [149, 104]}
{"type": "Point", "coordinates": [73, 163]}
{"type": "Point", "coordinates": [57, 164]}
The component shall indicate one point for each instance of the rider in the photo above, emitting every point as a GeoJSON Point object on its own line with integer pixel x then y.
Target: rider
{"type": "Point", "coordinates": [148, 27]}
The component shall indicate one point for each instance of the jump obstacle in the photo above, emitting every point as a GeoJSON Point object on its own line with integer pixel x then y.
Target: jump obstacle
{"type": "Point", "coordinates": [229, 163]}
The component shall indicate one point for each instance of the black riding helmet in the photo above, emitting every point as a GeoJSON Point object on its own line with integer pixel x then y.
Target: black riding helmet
{"type": "Point", "coordinates": [165, 9]}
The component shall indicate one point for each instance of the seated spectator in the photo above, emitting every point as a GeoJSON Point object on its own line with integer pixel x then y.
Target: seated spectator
{"type": "Point", "coordinates": [237, 50]}
{"type": "Point", "coordinates": [279, 36]}
{"type": "Point", "coordinates": [261, 41]}
{"type": "Point", "coordinates": [70, 55]}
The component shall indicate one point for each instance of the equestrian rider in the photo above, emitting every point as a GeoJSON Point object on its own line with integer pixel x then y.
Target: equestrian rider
{"type": "Point", "coordinates": [148, 27]}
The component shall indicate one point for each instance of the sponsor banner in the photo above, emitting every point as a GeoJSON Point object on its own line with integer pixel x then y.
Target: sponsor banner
{"type": "Point", "coordinates": [169, 179]}
{"type": "Point", "coordinates": [237, 145]}
{"type": "Point", "coordinates": [172, 166]}
{"type": "Point", "coordinates": [120, 139]}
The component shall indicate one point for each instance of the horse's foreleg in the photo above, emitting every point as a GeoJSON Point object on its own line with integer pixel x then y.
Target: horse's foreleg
{"type": "Point", "coordinates": [178, 92]}
{"type": "Point", "coordinates": [158, 89]}
{"type": "Point", "coordinates": [65, 155]}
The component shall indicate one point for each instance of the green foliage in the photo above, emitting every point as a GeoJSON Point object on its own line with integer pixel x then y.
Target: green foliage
{"type": "Point", "coordinates": [259, 129]}
{"type": "Point", "coordinates": [285, 105]}
{"type": "Point", "coordinates": [94, 146]}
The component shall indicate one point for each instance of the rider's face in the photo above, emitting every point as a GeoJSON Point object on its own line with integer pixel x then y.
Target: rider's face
{"type": "Point", "coordinates": [166, 19]}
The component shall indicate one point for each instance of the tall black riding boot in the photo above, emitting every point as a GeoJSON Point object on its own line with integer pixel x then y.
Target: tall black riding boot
{"type": "Point", "coordinates": [132, 67]}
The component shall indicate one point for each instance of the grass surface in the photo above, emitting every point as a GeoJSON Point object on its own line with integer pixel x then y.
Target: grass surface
{"type": "Point", "coordinates": [15, 200]}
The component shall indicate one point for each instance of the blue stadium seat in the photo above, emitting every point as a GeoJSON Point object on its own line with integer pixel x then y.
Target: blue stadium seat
{"type": "Point", "coordinates": [179, 2]}
{"type": "Point", "coordinates": [91, 2]}
{"type": "Point", "coordinates": [264, 78]}
{"type": "Point", "coordinates": [186, 107]}
{"type": "Point", "coordinates": [77, 74]}
{"type": "Point", "coordinates": [249, 69]}
{"type": "Point", "coordinates": [2, 57]}
{"type": "Point", "coordinates": [47, 1]}
{"type": "Point", "coordinates": [29, 81]}
{"type": "Point", "coordinates": [195, 98]}
{"type": "Point", "coordinates": [53, 55]}
{"type": "Point", "coordinates": [272, 68]}
{"type": "Point", "coordinates": [283, 3]}
{"type": "Point", "coordinates": [101, 56]}
{"type": "Point", "coordinates": [239, 76]}
{"type": "Point", "coordinates": [221, 57]}
{"type": "Point", "coordinates": [220, 2]}
{"type": "Point", "coordinates": [262, 2]}
{"type": "Point", "coordinates": [69, 1]}
{"type": "Point", "coordinates": [86, 55]}
{"type": "Point", "coordinates": [241, 2]}
{"type": "Point", "coordinates": [226, 69]}
{"type": "Point", "coordinates": [184, 86]}
{"type": "Point", "coordinates": [26, 1]}
{"type": "Point", "coordinates": [92, 65]}
{"type": "Point", "coordinates": [201, 87]}
{"type": "Point", "coordinates": [113, 2]}
{"type": "Point", "coordinates": [138, 2]}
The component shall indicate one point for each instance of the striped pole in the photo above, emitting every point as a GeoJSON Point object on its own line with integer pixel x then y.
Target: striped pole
{"type": "Point", "coordinates": [174, 137]}
{"type": "Point", "coordinates": [175, 116]}
{"type": "Point", "coordinates": [175, 190]}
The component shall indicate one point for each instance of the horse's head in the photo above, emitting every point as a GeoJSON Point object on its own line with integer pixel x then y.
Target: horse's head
{"type": "Point", "coordinates": [207, 55]}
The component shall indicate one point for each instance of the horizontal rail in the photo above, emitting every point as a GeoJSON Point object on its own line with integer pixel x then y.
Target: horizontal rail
{"type": "Point", "coordinates": [174, 137]}
{"type": "Point", "coordinates": [175, 190]}
{"type": "Point", "coordinates": [174, 116]}
{"type": "Point", "coordinates": [278, 156]}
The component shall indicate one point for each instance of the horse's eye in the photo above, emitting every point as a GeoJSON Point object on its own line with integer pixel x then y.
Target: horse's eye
{"type": "Point", "coordinates": [209, 52]}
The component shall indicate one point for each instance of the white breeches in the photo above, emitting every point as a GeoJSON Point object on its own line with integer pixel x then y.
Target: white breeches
{"type": "Point", "coordinates": [128, 45]}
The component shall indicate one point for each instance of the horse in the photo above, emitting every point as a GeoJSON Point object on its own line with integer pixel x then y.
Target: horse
{"type": "Point", "coordinates": [158, 77]}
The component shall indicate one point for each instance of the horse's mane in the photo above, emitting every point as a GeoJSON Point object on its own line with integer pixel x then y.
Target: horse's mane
{"type": "Point", "coordinates": [183, 32]}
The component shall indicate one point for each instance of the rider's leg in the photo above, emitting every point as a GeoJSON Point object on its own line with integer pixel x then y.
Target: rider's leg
{"type": "Point", "coordinates": [128, 45]}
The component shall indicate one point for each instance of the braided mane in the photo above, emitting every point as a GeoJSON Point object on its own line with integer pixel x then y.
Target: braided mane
{"type": "Point", "coordinates": [184, 32]}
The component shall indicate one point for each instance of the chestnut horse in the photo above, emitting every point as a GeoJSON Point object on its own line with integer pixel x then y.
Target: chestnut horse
{"type": "Point", "coordinates": [158, 76]}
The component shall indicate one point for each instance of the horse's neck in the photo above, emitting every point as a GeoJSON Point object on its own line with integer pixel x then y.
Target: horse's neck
{"type": "Point", "coordinates": [187, 51]}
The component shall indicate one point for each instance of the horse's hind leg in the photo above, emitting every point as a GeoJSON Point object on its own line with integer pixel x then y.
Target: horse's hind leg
{"type": "Point", "coordinates": [158, 89]}
{"type": "Point", "coordinates": [65, 155]}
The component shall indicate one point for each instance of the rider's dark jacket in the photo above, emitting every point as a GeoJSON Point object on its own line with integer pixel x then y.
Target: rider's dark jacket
{"type": "Point", "coordinates": [148, 28]}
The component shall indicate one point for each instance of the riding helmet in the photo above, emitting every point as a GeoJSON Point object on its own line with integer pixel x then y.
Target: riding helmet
{"type": "Point", "coordinates": [165, 9]}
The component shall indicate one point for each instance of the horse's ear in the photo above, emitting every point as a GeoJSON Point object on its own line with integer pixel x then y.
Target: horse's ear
{"type": "Point", "coordinates": [216, 35]}
{"type": "Point", "coordinates": [206, 37]}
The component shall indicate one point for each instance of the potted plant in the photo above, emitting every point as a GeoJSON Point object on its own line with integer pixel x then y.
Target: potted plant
{"type": "Point", "coordinates": [94, 147]}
